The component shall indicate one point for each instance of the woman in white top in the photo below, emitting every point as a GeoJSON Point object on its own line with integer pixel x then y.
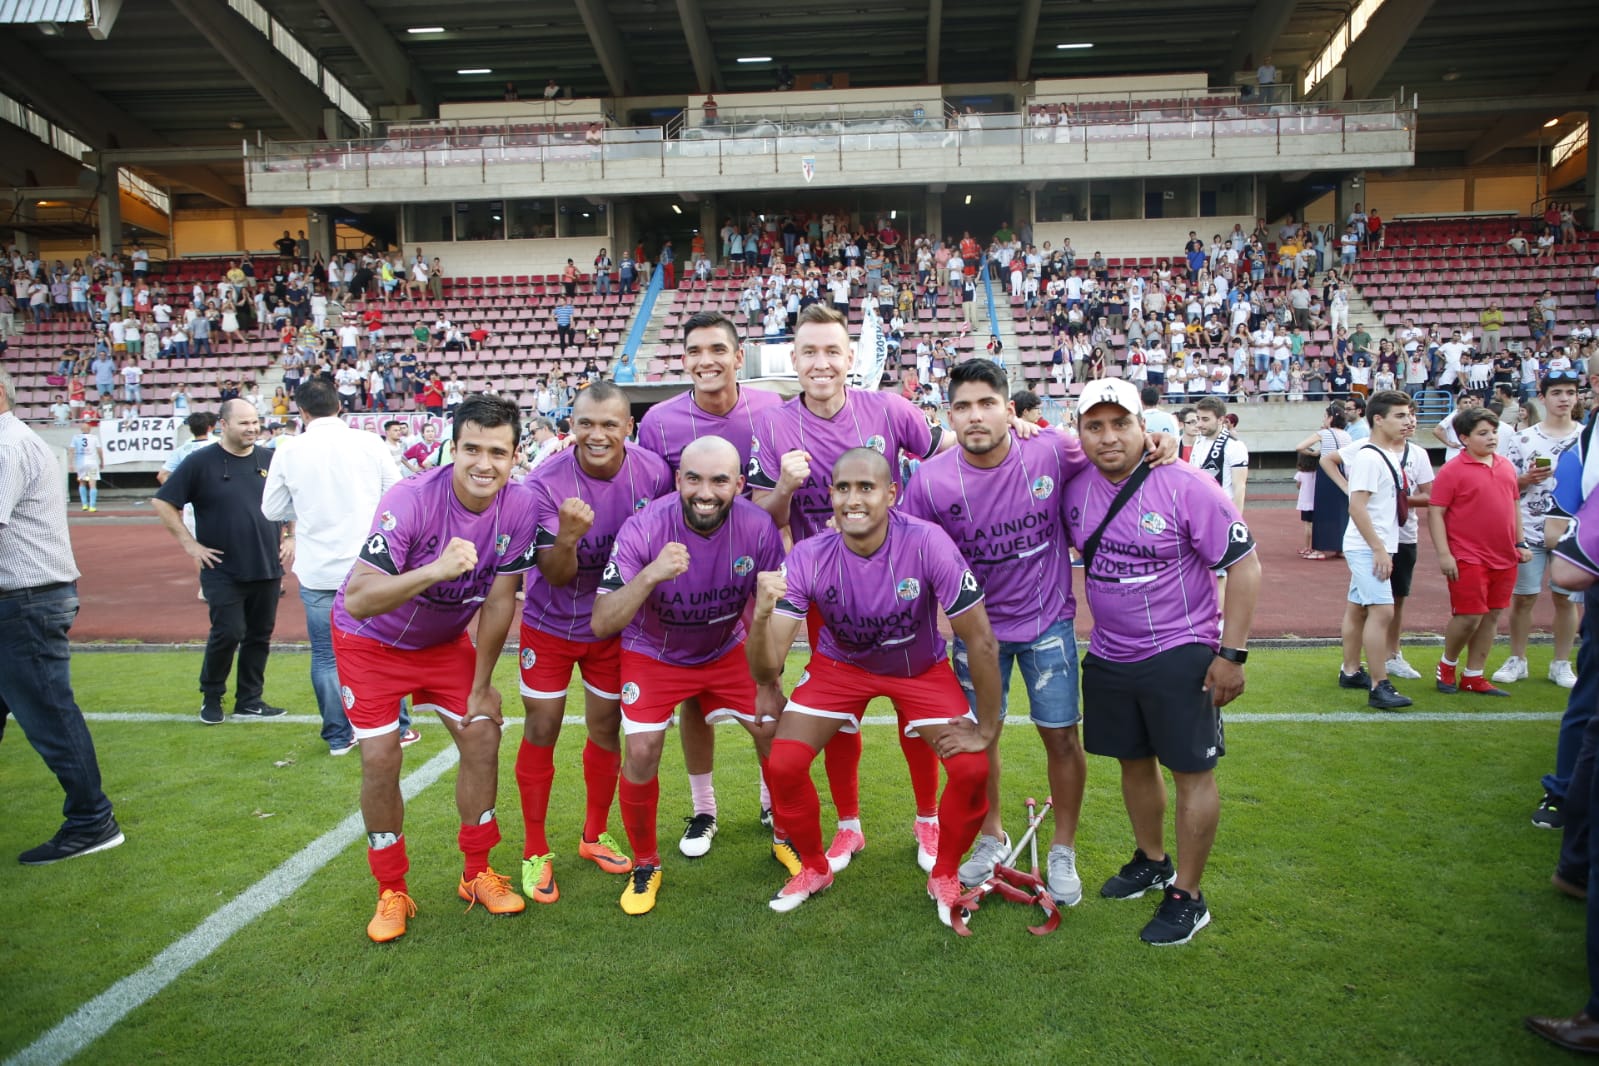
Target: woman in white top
{"type": "Point", "coordinates": [230, 323]}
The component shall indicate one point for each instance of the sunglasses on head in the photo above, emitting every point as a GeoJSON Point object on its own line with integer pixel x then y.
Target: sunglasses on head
{"type": "Point", "coordinates": [1563, 376]}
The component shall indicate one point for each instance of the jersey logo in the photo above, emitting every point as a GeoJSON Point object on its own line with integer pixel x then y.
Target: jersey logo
{"type": "Point", "coordinates": [502, 544]}
{"type": "Point", "coordinates": [755, 446]}
{"type": "Point", "coordinates": [1044, 487]}
{"type": "Point", "coordinates": [377, 544]}
{"type": "Point", "coordinates": [528, 658]}
{"type": "Point", "coordinates": [347, 696]}
{"type": "Point", "coordinates": [969, 582]}
{"type": "Point", "coordinates": [909, 589]}
{"type": "Point", "coordinates": [611, 573]}
{"type": "Point", "coordinates": [630, 693]}
{"type": "Point", "coordinates": [1238, 533]}
{"type": "Point", "coordinates": [387, 521]}
{"type": "Point", "coordinates": [641, 503]}
{"type": "Point", "coordinates": [743, 565]}
{"type": "Point", "coordinates": [954, 510]}
{"type": "Point", "coordinates": [877, 444]}
{"type": "Point", "coordinates": [1152, 523]}
{"type": "Point", "coordinates": [755, 466]}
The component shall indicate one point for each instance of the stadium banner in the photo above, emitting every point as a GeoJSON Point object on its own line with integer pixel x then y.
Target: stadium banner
{"type": "Point", "coordinates": [412, 420]}
{"type": "Point", "coordinates": [138, 440]}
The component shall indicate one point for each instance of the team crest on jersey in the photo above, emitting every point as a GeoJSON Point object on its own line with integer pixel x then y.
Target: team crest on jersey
{"type": "Point", "coordinates": [1238, 533]}
{"type": "Point", "coordinates": [347, 696]}
{"type": "Point", "coordinates": [387, 521]}
{"type": "Point", "coordinates": [377, 544]}
{"type": "Point", "coordinates": [528, 658]}
{"type": "Point", "coordinates": [641, 503]}
{"type": "Point", "coordinates": [502, 544]}
{"type": "Point", "coordinates": [969, 582]}
{"type": "Point", "coordinates": [743, 565]}
{"type": "Point", "coordinates": [1152, 523]}
{"type": "Point", "coordinates": [877, 444]}
{"type": "Point", "coordinates": [755, 446]}
{"type": "Point", "coordinates": [630, 693]}
{"type": "Point", "coordinates": [909, 589]}
{"type": "Point", "coordinates": [611, 572]}
{"type": "Point", "coordinates": [1044, 487]}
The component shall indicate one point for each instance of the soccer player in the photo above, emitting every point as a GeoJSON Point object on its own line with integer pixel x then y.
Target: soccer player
{"type": "Point", "coordinates": [445, 546]}
{"type": "Point", "coordinates": [791, 459]}
{"type": "Point", "coordinates": [1217, 452]}
{"type": "Point", "coordinates": [87, 459]}
{"type": "Point", "coordinates": [879, 580]}
{"type": "Point", "coordinates": [680, 575]}
{"type": "Point", "coordinates": [996, 498]}
{"type": "Point", "coordinates": [580, 498]}
{"type": "Point", "coordinates": [715, 407]}
{"type": "Point", "coordinates": [1159, 666]}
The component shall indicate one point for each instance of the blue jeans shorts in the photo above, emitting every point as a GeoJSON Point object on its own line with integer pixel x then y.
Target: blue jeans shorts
{"type": "Point", "coordinates": [1049, 666]}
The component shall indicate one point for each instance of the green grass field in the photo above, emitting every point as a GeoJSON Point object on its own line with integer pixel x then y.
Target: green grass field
{"type": "Point", "coordinates": [1377, 890]}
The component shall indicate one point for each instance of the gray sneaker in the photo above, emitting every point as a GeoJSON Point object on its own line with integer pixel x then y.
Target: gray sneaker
{"type": "Point", "coordinates": [1065, 887]}
{"type": "Point", "coordinates": [985, 853]}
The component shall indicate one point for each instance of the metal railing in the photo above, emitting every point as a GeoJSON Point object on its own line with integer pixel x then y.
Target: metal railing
{"type": "Point", "coordinates": [646, 152]}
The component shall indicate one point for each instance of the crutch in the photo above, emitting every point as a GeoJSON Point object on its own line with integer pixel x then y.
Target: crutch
{"type": "Point", "coordinates": [1011, 883]}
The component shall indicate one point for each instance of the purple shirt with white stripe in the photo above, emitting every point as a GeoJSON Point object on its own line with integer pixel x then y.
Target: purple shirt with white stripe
{"type": "Point", "coordinates": [1006, 521]}
{"type": "Point", "coordinates": [1151, 588]}
{"type": "Point", "coordinates": [672, 425]}
{"type": "Point", "coordinates": [880, 612]}
{"type": "Point", "coordinates": [564, 611]}
{"type": "Point", "coordinates": [698, 616]}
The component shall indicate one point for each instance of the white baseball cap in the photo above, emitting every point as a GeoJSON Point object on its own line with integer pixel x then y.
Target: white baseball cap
{"type": "Point", "coordinates": [1111, 390]}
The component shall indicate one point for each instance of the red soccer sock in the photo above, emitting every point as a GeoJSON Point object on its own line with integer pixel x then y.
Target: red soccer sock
{"type": "Point", "coordinates": [475, 842]}
{"type": "Point", "coordinates": [794, 799]}
{"type": "Point", "coordinates": [535, 771]}
{"type": "Point", "coordinates": [842, 757]}
{"type": "Point", "coordinates": [922, 761]}
{"type": "Point", "coordinates": [639, 804]}
{"type": "Point", "coordinates": [960, 809]}
{"type": "Point", "coordinates": [389, 865]}
{"type": "Point", "coordinates": [601, 768]}
{"type": "Point", "coordinates": [777, 818]}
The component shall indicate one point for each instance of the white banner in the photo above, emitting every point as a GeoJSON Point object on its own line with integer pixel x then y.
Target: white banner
{"type": "Point", "coordinates": [413, 421]}
{"type": "Point", "coordinates": [138, 440]}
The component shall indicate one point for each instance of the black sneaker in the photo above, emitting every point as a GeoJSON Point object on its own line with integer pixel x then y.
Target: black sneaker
{"type": "Point", "coordinates": [211, 712]}
{"type": "Point", "coordinates": [1176, 921]}
{"type": "Point", "coordinates": [766, 817]}
{"type": "Point", "coordinates": [1359, 679]}
{"type": "Point", "coordinates": [1138, 877]}
{"type": "Point", "coordinates": [1548, 815]}
{"type": "Point", "coordinates": [257, 710]}
{"type": "Point", "coordinates": [697, 837]}
{"type": "Point", "coordinates": [70, 843]}
{"type": "Point", "coordinates": [1385, 698]}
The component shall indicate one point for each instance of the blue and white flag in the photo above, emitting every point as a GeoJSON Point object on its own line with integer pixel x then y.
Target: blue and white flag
{"type": "Point", "coordinates": [871, 351]}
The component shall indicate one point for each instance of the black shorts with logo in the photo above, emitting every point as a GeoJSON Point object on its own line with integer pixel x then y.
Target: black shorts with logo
{"type": "Point", "coordinates": [1157, 706]}
{"type": "Point", "coordinates": [1404, 567]}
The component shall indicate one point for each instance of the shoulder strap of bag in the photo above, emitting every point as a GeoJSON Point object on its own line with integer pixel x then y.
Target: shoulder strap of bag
{"type": "Point", "coordinates": [1130, 486]}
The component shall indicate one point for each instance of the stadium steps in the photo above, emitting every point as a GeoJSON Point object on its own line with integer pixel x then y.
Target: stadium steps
{"type": "Point", "coordinates": [664, 302]}
{"type": "Point", "coordinates": [1005, 325]}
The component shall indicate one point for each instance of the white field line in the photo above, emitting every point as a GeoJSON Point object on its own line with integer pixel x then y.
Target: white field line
{"type": "Point", "coordinates": [96, 1017]}
{"type": "Point", "coordinates": [1383, 717]}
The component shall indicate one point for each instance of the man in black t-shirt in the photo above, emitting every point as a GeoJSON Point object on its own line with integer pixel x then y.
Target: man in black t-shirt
{"type": "Point", "coordinates": [285, 247]}
{"type": "Point", "coordinates": [241, 557]}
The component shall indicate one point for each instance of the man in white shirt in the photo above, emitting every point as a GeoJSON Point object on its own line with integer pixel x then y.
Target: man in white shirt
{"type": "Point", "coordinates": [1217, 452]}
{"type": "Point", "coordinates": [328, 481]}
{"type": "Point", "coordinates": [1535, 452]}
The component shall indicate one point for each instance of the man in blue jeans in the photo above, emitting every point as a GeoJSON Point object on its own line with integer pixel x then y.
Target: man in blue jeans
{"type": "Point", "coordinates": [328, 480]}
{"type": "Point", "coordinates": [38, 601]}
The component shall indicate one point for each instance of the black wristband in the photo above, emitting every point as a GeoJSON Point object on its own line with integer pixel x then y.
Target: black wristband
{"type": "Point", "coordinates": [1233, 655]}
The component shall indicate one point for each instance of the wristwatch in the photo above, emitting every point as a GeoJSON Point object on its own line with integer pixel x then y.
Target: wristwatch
{"type": "Point", "coordinates": [1234, 655]}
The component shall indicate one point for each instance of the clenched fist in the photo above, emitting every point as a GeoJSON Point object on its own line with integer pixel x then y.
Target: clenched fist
{"type": "Point", "coordinates": [459, 557]}
{"type": "Point", "coordinates": [672, 562]}
{"type": "Point", "coordinates": [770, 586]}
{"type": "Point", "coordinates": [576, 518]}
{"type": "Point", "coordinates": [795, 471]}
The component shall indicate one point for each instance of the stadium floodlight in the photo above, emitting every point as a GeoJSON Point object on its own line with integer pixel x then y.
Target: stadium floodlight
{"type": "Point", "coordinates": [676, 209]}
{"type": "Point", "coordinates": [1077, 44]}
{"type": "Point", "coordinates": [425, 29]}
{"type": "Point", "coordinates": [754, 59]}
{"type": "Point", "coordinates": [476, 70]}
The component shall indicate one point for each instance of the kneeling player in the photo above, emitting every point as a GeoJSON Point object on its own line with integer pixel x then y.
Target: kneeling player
{"type": "Point", "coordinates": [879, 580]}
{"type": "Point", "coordinates": [441, 544]}
{"type": "Point", "coordinates": [679, 578]}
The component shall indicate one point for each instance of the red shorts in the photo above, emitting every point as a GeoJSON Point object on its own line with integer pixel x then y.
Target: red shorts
{"type": "Point", "coordinates": [547, 661]}
{"type": "Point", "coordinates": [651, 689]}
{"type": "Point", "coordinates": [1481, 589]}
{"type": "Point", "coordinates": [374, 677]}
{"type": "Point", "coordinates": [831, 689]}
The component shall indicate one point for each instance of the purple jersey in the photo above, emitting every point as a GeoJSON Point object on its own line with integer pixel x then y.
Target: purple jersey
{"type": "Point", "coordinates": [698, 616]}
{"type": "Point", "coordinates": [885, 422]}
{"type": "Point", "coordinates": [1006, 521]}
{"type": "Point", "coordinates": [881, 613]}
{"type": "Point", "coordinates": [415, 522]}
{"type": "Point", "coordinates": [565, 611]}
{"type": "Point", "coordinates": [672, 425]}
{"type": "Point", "coordinates": [1151, 587]}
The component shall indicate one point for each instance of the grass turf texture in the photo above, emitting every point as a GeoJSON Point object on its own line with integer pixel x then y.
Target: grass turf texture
{"type": "Point", "coordinates": [1377, 892]}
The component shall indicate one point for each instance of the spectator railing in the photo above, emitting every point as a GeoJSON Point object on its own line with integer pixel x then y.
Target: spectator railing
{"type": "Point", "coordinates": [646, 154]}
{"type": "Point", "coordinates": [641, 315]}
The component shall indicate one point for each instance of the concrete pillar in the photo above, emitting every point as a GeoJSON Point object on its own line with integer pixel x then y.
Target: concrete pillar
{"type": "Point", "coordinates": [623, 234]}
{"type": "Point", "coordinates": [25, 242]}
{"type": "Point", "coordinates": [319, 228]}
{"type": "Point", "coordinates": [1590, 198]}
{"type": "Point", "coordinates": [708, 226]}
{"type": "Point", "coordinates": [933, 214]}
{"type": "Point", "coordinates": [1345, 199]}
{"type": "Point", "coordinates": [108, 204]}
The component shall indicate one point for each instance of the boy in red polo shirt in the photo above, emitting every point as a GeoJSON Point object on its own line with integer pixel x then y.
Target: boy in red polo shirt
{"type": "Point", "coordinates": [1476, 530]}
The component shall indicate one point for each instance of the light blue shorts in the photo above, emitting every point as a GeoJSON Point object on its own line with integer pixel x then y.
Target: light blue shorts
{"type": "Point", "coordinates": [1364, 588]}
{"type": "Point", "coordinates": [1049, 666]}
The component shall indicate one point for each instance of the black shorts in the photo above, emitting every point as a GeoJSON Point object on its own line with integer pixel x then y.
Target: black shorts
{"type": "Point", "coordinates": [1156, 706]}
{"type": "Point", "coordinates": [1404, 565]}
{"type": "Point", "coordinates": [1306, 516]}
